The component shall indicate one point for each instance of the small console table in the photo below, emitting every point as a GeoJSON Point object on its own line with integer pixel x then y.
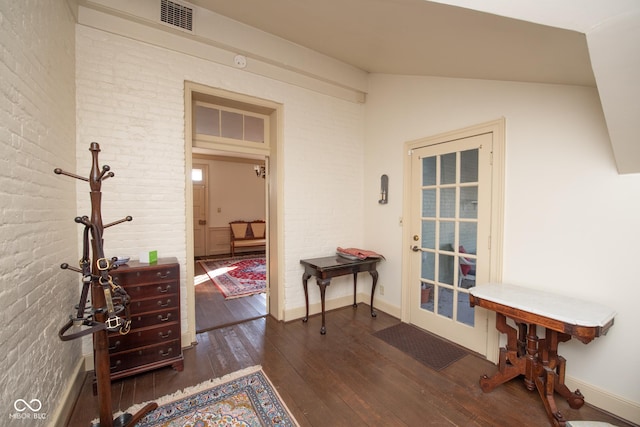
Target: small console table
{"type": "Point", "coordinates": [327, 268]}
{"type": "Point", "coordinates": [537, 358]}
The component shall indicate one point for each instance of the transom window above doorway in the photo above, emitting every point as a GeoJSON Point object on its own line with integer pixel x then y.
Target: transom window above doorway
{"type": "Point", "coordinates": [218, 122]}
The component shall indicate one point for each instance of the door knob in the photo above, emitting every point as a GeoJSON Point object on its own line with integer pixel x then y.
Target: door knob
{"type": "Point", "coordinates": [415, 248]}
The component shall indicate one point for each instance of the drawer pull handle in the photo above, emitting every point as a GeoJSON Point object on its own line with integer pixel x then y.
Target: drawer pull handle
{"type": "Point", "coordinates": [164, 336]}
{"type": "Point", "coordinates": [165, 304]}
{"type": "Point", "coordinates": [163, 276]}
{"type": "Point", "coordinates": [115, 345]}
{"type": "Point", "coordinates": [165, 353]}
{"type": "Point", "coordinates": [116, 365]}
{"type": "Point", "coordinates": [165, 290]}
{"type": "Point", "coordinates": [164, 319]}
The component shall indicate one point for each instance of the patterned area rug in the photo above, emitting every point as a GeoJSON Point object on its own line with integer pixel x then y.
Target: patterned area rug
{"type": "Point", "coordinates": [237, 277]}
{"type": "Point", "coordinates": [426, 348]}
{"type": "Point", "coordinates": [245, 398]}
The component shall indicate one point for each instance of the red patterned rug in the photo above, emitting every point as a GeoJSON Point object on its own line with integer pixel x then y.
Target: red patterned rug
{"type": "Point", "coordinates": [237, 277]}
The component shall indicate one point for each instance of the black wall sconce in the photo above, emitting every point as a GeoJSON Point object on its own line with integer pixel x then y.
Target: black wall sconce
{"type": "Point", "coordinates": [384, 190]}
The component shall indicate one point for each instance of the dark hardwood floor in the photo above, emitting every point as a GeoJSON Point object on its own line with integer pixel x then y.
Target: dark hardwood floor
{"type": "Point", "coordinates": [213, 311]}
{"type": "Point", "coordinates": [347, 377]}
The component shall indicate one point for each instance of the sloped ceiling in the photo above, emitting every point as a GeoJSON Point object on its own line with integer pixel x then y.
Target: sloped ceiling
{"type": "Point", "coordinates": [575, 42]}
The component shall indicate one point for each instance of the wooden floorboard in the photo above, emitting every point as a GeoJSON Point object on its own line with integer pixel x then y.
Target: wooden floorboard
{"type": "Point", "coordinates": [347, 377]}
{"type": "Point", "coordinates": [213, 311]}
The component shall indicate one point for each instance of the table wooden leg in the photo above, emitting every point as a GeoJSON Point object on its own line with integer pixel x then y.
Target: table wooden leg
{"type": "Point", "coordinates": [374, 276]}
{"type": "Point", "coordinates": [509, 364]}
{"type": "Point", "coordinates": [545, 384]}
{"type": "Point", "coordinates": [355, 287]}
{"type": "Point", "coordinates": [322, 284]}
{"type": "Point", "coordinates": [305, 279]}
{"type": "Point", "coordinates": [557, 364]}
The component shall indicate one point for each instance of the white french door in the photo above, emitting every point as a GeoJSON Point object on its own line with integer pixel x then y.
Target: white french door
{"type": "Point", "coordinates": [450, 237]}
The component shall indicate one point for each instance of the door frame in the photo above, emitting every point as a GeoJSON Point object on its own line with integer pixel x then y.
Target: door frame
{"type": "Point", "coordinates": [275, 193]}
{"type": "Point", "coordinates": [497, 128]}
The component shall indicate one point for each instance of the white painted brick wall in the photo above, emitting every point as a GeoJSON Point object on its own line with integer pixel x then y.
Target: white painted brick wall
{"type": "Point", "coordinates": [130, 100]}
{"type": "Point", "coordinates": [37, 231]}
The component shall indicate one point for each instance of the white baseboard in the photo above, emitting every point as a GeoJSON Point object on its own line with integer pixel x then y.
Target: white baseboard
{"type": "Point", "coordinates": [68, 397]}
{"type": "Point", "coordinates": [345, 301]}
{"type": "Point", "coordinates": [604, 400]}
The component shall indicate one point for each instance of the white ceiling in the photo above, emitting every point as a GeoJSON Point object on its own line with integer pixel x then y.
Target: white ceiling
{"type": "Point", "coordinates": [416, 37]}
{"type": "Point", "coordinates": [576, 42]}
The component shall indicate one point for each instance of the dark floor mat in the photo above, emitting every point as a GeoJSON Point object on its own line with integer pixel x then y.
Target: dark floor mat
{"type": "Point", "coordinates": [422, 346]}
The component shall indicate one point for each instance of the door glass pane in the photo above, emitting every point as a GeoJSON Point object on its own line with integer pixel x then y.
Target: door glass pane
{"type": "Point", "coordinates": [445, 302]}
{"type": "Point", "coordinates": [427, 269]}
{"type": "Point", "coordinates": [448, 168]}
{"type": "Point", "coordinates": [469, 166]}
{"type": "Point", "coordinates": [469, 202]}
{"type": "Point", "coordinates": [448, 203]}
{"type": "Point", "coordinates": [445, 269]}
{"type": "Point", "coordinates": [196, 175]}
{"type": "Point", "coordinates": [429, 203]}
{"type": "Point", "coordinates": [469, 236]}
{"type": "Point", "coordinates": [465, 311]}
{"type": "Point", "coordinates": [447, 235]}
{"type": "Point", "coordinates": [426, 296]}
{"type": "Point", "coordinates": [429, 234]}
{"type": "Point", "coordinates": [429, 171]}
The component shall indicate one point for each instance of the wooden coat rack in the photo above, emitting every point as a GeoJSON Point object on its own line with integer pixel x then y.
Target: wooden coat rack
{"type": "Point", "coordinates": [109, 302]}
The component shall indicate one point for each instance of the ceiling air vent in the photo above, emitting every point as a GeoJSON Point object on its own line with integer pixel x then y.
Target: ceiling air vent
{"type": "Point", "coordinates": [176, 15]}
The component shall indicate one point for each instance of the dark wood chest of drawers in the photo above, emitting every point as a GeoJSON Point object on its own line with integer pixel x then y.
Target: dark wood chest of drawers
{"type": "Point", "coordinates": [154, 339]}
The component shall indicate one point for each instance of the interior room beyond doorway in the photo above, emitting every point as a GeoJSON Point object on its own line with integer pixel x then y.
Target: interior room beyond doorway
{"type": "Point", "coordinates": [231, 189]}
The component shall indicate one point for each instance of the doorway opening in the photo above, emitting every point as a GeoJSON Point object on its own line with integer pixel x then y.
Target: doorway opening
{"type": "Point", "coordinates": [229, 280]}
{"type": "Point", "coordinates": [238, 147]}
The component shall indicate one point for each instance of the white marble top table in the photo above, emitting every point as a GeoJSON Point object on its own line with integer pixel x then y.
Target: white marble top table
{"type": "Point", "coordinates": [563, 317]}
{"type": "Point", "coordinates": [565, 309]}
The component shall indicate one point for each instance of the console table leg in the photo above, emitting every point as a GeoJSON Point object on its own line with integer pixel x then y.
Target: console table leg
{"type": "Point", "coordinates": [305, 278]}
{"type": "Point", "coordinates": [510, 365]}
{"type": "Point", "coordinates": [506, 372]}
{"type": "Point", "coordinates": [545, 385]}
{"type": "Point", "coordinates": [374, 276]}
{"type": "Point", "coordinates": [355, 287]}
{"type": "Point", "coordinates": [322, 284]}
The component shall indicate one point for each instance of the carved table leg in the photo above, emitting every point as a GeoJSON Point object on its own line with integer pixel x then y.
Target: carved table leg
{"type": "Point", "coordinates": [305, 278]}
{"type": "Point", "coordinates": [374, 276]}
{"type": "Point", "coordinates": [322, 284]}
{"type": "Point", "coordinates": [545, 384]}
{"type": "Point", "coordinates": [509, 365]}
{"type": "Point", "coordinates": [558, 364]}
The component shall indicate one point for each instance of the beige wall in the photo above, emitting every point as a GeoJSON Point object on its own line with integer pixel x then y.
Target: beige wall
{"type": "Point", "coordinates": [235, 192]}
